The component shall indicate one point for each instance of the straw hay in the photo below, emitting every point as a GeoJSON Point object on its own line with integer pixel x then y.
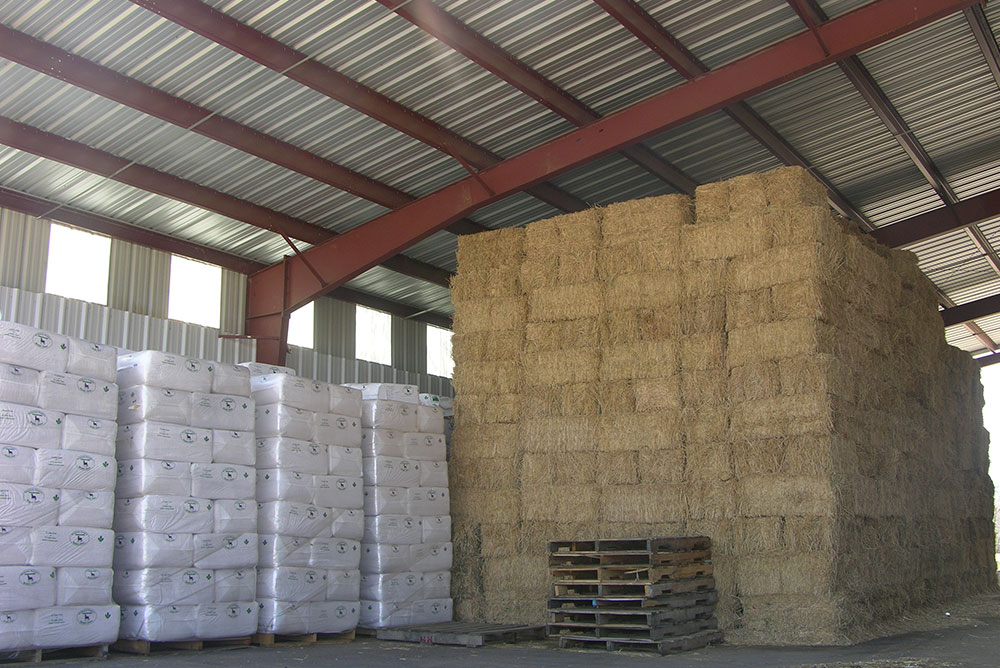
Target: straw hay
{"type": "Point", "coordinates": [569, 302]}
{"type": "Point", "coordinates": [638, 361]}
{"type": "Point", "coordinates": [711, 500]}
{"type": "Point", "coordinates": [488, 377]}
{"type": "Point", "coordinates": [643, 503]}
{"type": "Point", "coordinates": [660, 465]}
{"type": "Point", "coordinates": [790, 573]}
{"type": "Point", "coordinates": [762, 496]}
{"type": "Point", "coordinates": [617, 468]}
{"type": "Point", "coordinates": [793, 187]}
{"type": "Point", "coordinates": [784, 264]}
{"type": "Point", "coordinates": [745, 235]}
{"type": "Point", "coordinates": [783, 416]}
{"type": "Point", "coordinates": [658, 394]}
{"type": "Point", "coordinates": [571, 232]}
{"type": "Point", "coordinates": [486, 440]}
{"type": "Point", "coordinates": [754, 381]}
{"type": "Point", "coordinates": [616, 397]}
{"type": "Point", "coordinates": [654, 289]}
{"type": "Point", "coordinates": [660, 431]}
{"type": "Point", "coordinates": [705, 278]}
{"type": "Point", "coordinates": [559, 434]}
{"type": "Point", "coordinates": [755, 535]}
{"type": "Point", "coordinates": [490, 315]}
{"type": "Point", "coordinates": [642, 220]}
{"type": "Point", "coordinates": [655, 254]}
{"type": "Point", "coordinates": [487, 249]}
{"type": "Point", "coordinates": [565, 468]}
{"type": "Point", "coordinates": [703, 316]}
{"type": "Point", "coordinates": [562, 334]}
{"type": "Point", "coordinates": [709, 462]}
{"type": "Point", "coordinates": [563, 503]}
{"type": "Point", "coordinates": [559, 367]}
{"type": "Point", "coordinates": [492, 473]}
{"type": "Point", "coordinates": [778, 340]}
{"type": "Point", "coordinates": [750, 308]}
{"type": "Point", "coordinates": [747, 194]}
{"type": "Point", "coordinates": [711, 202]}
{"type": "Point", "coordinates": [520, 573]}
{"type": "Point", "coordinates": [703, 351]}
{"type": "Point", "coordinates": [641, 325]}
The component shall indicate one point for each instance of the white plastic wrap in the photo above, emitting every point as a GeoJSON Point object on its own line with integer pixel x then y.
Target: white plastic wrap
{"type": "Point", "coordinates": [436, 529]}
{"type": "Point", "coordinates": [305, 393]}
{"type": "Point", "coordinates": [69, 393]}
{"type": "Point", "coordinates": [385, 558]}
{"type": "Point", "coordinates": [284, 485]}
{"type": "Point", "coordinates": [292, 519]}
{"type": "Point", "coordinates": [18, 384]}
{"type": "Point", "coordinates": [378, 442]}
{"type": "Point", "coordinates": [76, 585]}
{"type": "Point", "coordinates": [430, 611]}
{"type": "Point", "coordinates": [345, 400]}
{"type": "Point", "coordinates": [386, 501]}
{"type": "Point", "coordinates": [140, 477]}
{"type": "Point", "coordinates": [334, 553]}
{"type": "Point", "coordinates": [223, 481]}
{"type": "Point", "coordinates": [379, 615]}
{"type": "Point", "coordinates": [343, 585]}
{"type": "Point", "coordinates": [334, 616]}
{"type": "Point", "coordinates": [72, 546]}
{"type": "Point", "coordinates": [27, 425]}
{"type": "Point", "coordinates": [428, 399]}
{"type": "Point", "coordinates": [345, 461]}
{"type": "Point", "coordinates": [222, 411]}
{"type": "Point", "coordinates": [90, 434]}
{"type": "Point", "coordinates": [163, 440]}
{"type": "Point", "coordinates": [257, 369]}
{"type": "Point", "coordinates": [164, 514]}
{"type": "Point", "coordinates": [431, 557]}
{"type": "Point", "coordinates": [151, 367]}
{"type": "Point", "coordinates": [140, 403]}
{"type": "Point", "coordinates": [159, 623]}
{"type": "Point", "coordinates": [76, 626]}
{"type": "Point", "coordinates": [334, 429]}
{"type": "Point", "coordinates": [391, 471]}
{"type": "Point", "coordinates": [231, 379]}
{"type": "Point", "coordinates": [164, 586]}
{"type": "Point", "coordinates": [433, 474]}
{"type": "Point", "coordinates": [392, 587]}
{"type": "Point", "coordinates": [282, 420]}
{"type": "Point", "coordinates": [93, 360]}
{"type": "Point", "coordinates": [234, 447]}
{"type": "Point", "coordinates": [17, 464]}
{"type": "Point", "coordinates": [388, 391]}
{"type": "Point", "coordinates": [226, 620]}
{"type": "Point", "coordinates": [425, 447]}
{"type": "Point", "coordinates": [437, 584]}
{"type": "Point", "coordinates": [292, 454]}
{"type": "Point", "coordinates": [145, 549]}
{"type": "Point", "coordinates": [401, 529]}
{"type": "Point", "coordinates": [235, 516]}
{"type": "Point", "coordinates": [276, 550]}
{"type": "Point", "coordinates": [33, 348]}
{"type": "Point", "coordinates": [427, 501]}
{"type": "Point", "coordinates": [25, 587]}
{"type": "Point", "coordinates": [384, 414]}
{"type": "Point", "coordinates": [18, 629]}
{"type": "Point", "coordinates": [287, 583]}
{"type": "Point", "coordinates": [73, 469]}
{"type": "Point", "coordinates": [235, 584]}
{"type": "Point", "coordinates": [283, 617]}
{"type": "Point", "coordinates": [15, 545]}
{"type": "Point", "coordinates": [86, 508]}
{"type": "Point", "coordinates": [430, 419]}
{"type": "Point", "coordinates": [342, 492]}
{"type": "Point", "coordinates": [348, 523]}
{"type": "Point", "coordinates": [27, 505]}
{"type": "Point", "coordinates": [219, 550]}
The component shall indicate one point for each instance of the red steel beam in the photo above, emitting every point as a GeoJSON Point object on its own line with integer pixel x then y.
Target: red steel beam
{"type": "Point", "coordinates": [277, 290]}
{"type": "Point", "coordinates": [971, 211]}
{"type": "Point", "coordinates": [965, 313]}
{"type": "Point", "coordinates": [32, 140]}
{"type": "Point", "coordinates": [983, 33]}
{"type": "Point", "coordinates": [42, 208]}
{"type": "Point", "coordinates": [447, 29]}
{"type": "Point", "coordinates": [649, 31]}
{"type": "Point", "coordinates": [988, 360]}
{"type": "Point", "coordinates": [55, 62]}
{"type": "Point", "coordinates": [296, 65]}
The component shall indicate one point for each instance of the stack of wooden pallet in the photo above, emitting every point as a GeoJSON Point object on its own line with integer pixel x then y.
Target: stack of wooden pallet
{"type": "Point", "coordinates": [635, 593]}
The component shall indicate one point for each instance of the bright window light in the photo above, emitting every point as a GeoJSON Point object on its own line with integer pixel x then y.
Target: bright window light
{"type": "Point", "coordinates": [78, 264]}
{"type": "Point", "coordinates": [300, 326]}
{"type": "Point", "coordinates": [439, 362]}
{"type": "Point", "coordinates": [373, 336]}
{"type": "Point", "coordinates": [195, 292]}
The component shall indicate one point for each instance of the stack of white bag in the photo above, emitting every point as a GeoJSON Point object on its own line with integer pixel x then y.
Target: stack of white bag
{"type": "Point", "coordinates": [186, 517]}
{"type": "Point", "coordinates": [310, 498]}
{"type": "Point", "coordinates": [57, 412]}
{"type": "Point", "coordinates": [406, 551]}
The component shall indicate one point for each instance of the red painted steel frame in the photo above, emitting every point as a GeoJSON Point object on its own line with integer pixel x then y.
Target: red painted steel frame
{"type": "Point", "coordinates": [275, 291]}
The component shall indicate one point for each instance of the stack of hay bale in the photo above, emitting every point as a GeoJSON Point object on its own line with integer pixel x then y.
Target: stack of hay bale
{"type": "Point", "coordinates": [309, 490]}
{"type": "Point", "coordinates": [185, 550]}
{"type": "Point", "coordinates": [768, 377]}
{"type": "Point", "coordinates": [57, 410]}
{"type": "Point", "coordinates": [406, 553]}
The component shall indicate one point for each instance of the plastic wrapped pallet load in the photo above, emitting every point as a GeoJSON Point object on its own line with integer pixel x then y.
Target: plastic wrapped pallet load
{"type": "Point", "coordinates": [310, 499]}
{"type": "Point", "coordinates": [406, 549]}
{"type": "Point", "coordinates": [57, 470]}
{"type": "Point", "coordinates": [186, 552]}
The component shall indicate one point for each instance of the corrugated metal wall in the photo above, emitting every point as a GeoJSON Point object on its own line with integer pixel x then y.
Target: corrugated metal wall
{"type": "Point", "coordinates": [135, 317]}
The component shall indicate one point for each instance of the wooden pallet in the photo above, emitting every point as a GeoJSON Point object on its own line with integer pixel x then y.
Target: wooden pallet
{"type": "Point", "coordinates": [462, 633]}
{"type": "Point", "coordinates": [147, 647]}
{"type": "Point", "coordinates": [300, 640]}
{"type": "Point", "coordinates": [638, 589]}
{"type": "Point", "coordinates": [54, 654]}
{"type": "Point", "coordinates": [614, 574]}
{"type": "Point", "coordinates": [641, 617]}
{"type": "Point", "coordinates": [665, 646]}
{"type": "Point", "coordinates": [636, 559]}
{"type": "Point", "coordinates": [632, 631]}
{"type": "Point", "coordinates": [707, 597]}
{"type": "Point", "coordinates": [645, 545]}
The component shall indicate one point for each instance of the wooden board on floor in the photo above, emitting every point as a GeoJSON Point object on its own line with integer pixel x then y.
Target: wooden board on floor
{"type": "Point", "coordinates": [664, 646]}
{"type": "Point", "coordinates": [466, 634]}
{"type": "Point", "coordinates": [147, 647]}
{"type": "Point", "coordinates": [281, 640]}
{"type": "Point", "coordinates": [55, 654]}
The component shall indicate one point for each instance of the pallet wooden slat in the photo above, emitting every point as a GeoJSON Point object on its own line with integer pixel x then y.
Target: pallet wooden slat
{"type": "Point", "coordinates": [39, 655]}
{"type": "Point", "coordinates": [462, 633]}
{"type": "Point", "coordinates": [665, 646]}
{"type": "Point", "coordinates": [147, 647]}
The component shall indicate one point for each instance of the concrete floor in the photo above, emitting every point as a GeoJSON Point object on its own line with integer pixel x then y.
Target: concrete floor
{"type": "Point", "coordinates": [976, 645]}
